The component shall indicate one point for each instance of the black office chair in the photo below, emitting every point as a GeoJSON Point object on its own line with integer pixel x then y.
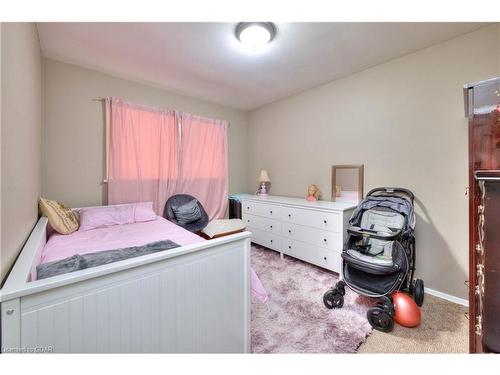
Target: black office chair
{"type": "Point", "coordinates": [179, 200]}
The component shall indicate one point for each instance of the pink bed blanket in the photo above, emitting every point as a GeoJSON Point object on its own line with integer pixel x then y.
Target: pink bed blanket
{"type": "Point", "coordinates": [60, 246]}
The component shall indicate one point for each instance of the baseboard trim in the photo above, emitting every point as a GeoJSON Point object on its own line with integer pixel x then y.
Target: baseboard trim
{"type": "Point", "coordinates": [447, 297]}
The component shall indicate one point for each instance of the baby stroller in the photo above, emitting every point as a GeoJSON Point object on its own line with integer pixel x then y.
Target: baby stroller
{"type": "Point", "coordinates": [379, 254]}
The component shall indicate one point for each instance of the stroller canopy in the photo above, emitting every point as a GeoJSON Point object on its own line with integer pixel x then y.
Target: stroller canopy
{"type": "Point", "coordinates": [395, 203]}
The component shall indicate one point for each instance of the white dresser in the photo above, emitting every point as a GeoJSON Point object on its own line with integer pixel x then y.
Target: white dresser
{"type": "Point", "coordinates": [311, 231]}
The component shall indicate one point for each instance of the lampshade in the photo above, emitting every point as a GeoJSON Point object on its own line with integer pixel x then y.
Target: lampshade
{"type": "Point", "coordinates": [264, 177]}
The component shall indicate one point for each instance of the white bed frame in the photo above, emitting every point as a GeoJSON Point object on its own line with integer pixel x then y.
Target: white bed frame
{"type": "Point", "coordinates": [190, 299]}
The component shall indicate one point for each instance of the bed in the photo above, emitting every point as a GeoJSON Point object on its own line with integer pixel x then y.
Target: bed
{"type": "Point", "coordinates": [192, 298]}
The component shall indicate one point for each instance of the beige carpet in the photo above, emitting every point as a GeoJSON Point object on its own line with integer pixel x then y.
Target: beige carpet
{"type": "Point", "coordinates": [444, 329]}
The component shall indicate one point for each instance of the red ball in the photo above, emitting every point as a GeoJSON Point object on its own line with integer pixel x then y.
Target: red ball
{"type": "Point", "coordinates": [406, 311]}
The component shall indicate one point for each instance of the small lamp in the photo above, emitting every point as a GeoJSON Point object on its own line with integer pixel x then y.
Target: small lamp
{"type": "Point", "coordinates": [263, 179]}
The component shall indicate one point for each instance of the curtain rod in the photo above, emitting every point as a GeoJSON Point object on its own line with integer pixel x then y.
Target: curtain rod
{"type": "Point", "coordinates": [101, 99]}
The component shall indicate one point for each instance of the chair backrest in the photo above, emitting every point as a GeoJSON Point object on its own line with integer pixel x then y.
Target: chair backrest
{"type": "Point", "coordinates": [179, 200]}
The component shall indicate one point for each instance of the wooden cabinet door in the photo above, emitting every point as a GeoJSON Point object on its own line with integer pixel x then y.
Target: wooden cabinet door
{"type": "Point", "coordinates": [491, 297]}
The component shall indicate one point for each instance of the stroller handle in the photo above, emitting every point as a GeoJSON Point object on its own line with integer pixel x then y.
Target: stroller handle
{"type": "Point", "coordinates": [392, 190]}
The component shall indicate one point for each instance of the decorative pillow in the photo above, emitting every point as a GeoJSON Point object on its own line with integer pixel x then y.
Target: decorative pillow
{"type": "Point", "coordinates": [61, 218]}
{"type": "Point", "coordinates": [144, 212]}
{"type": "Point", "coordinates": [105, 216]}
{"type": "Point", "coordinates": [187, 213]}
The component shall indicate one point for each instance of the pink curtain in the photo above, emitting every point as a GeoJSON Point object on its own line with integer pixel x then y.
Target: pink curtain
{"type": "Point", "coordinates": [204, 166]}
{"type": "Point", "coordinates": [143, 154]}
{"type": "Point", "coordinates": [154, 154]}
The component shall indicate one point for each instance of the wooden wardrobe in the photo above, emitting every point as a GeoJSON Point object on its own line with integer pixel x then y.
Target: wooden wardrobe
{"type": "Point", "coordinates": [482, 103]}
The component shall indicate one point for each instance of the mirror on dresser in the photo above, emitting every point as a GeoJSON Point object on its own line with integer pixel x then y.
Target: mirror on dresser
{"type": "Point", "coordinates": [347, 183]}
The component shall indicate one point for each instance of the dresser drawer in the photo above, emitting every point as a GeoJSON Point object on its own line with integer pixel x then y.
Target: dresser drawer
{"type": "Point", "coordinates": [330, 221]}
{"type": "Point", "coordinates": [270, 211]}
{"type": "Point", "coordinates": [262, 223]}
{"type": "Point", "coordinates": [325, 258]}
{"type": "Point", "coordinates": [313, 236]}
{"type": "Point", "coordinates": [266, 239]}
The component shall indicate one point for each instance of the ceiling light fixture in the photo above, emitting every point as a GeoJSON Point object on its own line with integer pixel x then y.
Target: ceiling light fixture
{"type": "Point", "coordinates": [255, 34]}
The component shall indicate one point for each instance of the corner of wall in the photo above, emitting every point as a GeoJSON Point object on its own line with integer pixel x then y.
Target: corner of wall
{"type": "Point", "coordinates": [21, 129]}
{"type": "Point", "coordinates": [249, 180]}
{"type": "Point", "coordinates": [42, 123]}
{"type": "Point", "coordinates": [247, 115]}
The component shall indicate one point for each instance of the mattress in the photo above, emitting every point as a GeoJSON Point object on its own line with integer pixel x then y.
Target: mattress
{"type": "Point", "coordinates": [61, 246]}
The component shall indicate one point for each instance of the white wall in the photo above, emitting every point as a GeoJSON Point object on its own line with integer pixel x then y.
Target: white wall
{"type": "Point", "coordinates": [404, 120]}
{"type": "Point", "coordinates": [73, 163]}
{"type": "Point", "coordinates": [20, 137]}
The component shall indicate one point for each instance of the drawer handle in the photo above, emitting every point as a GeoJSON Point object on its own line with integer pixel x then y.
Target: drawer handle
{"type": "Point", "coordinates": [248, 220]}
{"type": "Point", "coordinates": [324, 221]}
{"type": "Point", "coordinates": [324, 258]}
{"type": "Point", "coordinates": [271, 212]}
{"type": "Point", "coordinates": [271, 226]}
{"type": "Point", "coordinates": [289, 247]}
{"type": "Point", "coordinates": [271, 241]}
{"type": "Point", "coordinates": [290, 231]}
{"type": "Point", "coordinates": [324, 239]}
{"type": "Point", "coordinates": [289, 215]}
{"type": "Point", "coordinates": [248, 208]}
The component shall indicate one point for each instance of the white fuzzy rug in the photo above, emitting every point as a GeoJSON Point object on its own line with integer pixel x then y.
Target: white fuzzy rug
{"type": "Point", "coordinates": [295, 320]}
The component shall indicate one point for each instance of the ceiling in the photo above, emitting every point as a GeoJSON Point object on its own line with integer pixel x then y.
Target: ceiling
{"type": "Point", "coordinates": [205, 60]}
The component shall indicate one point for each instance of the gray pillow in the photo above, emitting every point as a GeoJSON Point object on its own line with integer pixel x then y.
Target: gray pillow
{"type": "Point", "coordinates": [187, 213]}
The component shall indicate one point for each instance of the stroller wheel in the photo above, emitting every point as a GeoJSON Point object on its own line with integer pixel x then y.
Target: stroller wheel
{"type": "Point", "coordinates": [380, 319]}
{"type": "Point", "coordinates": [333, 299]}
{"type": "Point", "coordinates": [386, 304]}
{"type": "Point", "coordinates": [418, 292]}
